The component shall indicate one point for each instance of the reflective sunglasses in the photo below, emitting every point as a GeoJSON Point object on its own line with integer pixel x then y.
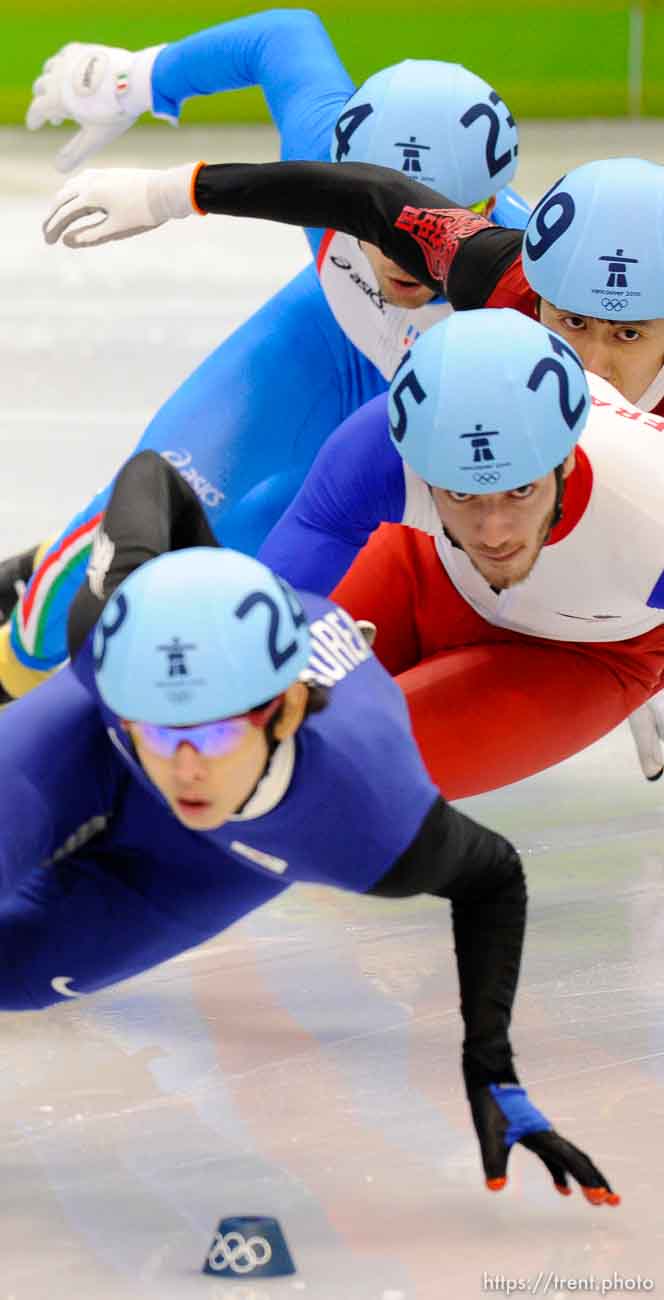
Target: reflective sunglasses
{"type": "Point", "coordinates": [211, 739]}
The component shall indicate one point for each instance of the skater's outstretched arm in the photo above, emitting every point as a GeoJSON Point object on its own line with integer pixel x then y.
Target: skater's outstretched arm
{"type": "Point", "coordinates": [481, 873]}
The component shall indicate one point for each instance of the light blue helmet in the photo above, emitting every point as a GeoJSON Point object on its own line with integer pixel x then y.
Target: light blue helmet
{"type": "Point", "coordinates": [594, 245]}
{"type": "Point", "coordinates": [487, 401]}
{"type": "Point", "coordinates": [196, 635]}
{"type": "Point", "coordinates": [437, 123]}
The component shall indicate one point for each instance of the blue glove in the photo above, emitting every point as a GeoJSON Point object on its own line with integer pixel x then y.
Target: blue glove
{"type": "Point", "coordinates": [503, 1114]}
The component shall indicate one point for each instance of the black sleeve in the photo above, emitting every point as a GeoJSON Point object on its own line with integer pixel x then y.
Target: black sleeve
{"type": "Point", "coordinates": [481, 873]}
{"type": "Point", "coordinates": [423, 231]}
{"type": "Point", "coordinates": [151, 510]}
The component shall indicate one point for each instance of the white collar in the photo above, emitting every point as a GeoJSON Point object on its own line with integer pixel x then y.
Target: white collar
{"type": "Point", "coordinates": [273, 786]}
{"type": "Point", "coordinates": [653, 394]}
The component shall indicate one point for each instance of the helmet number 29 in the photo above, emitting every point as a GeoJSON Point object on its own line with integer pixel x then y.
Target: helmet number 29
{"type": "Point", "coordinates": [278, 655]}
{"type": "Point", "coordinates": [553, 215]}
{"type": "Point", "coordinates": [495, 162]}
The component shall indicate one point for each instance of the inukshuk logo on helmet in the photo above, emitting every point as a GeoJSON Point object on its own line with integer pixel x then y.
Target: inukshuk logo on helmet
{"type": "Point", "coordinates": [175, 652]}
{"type": "Point", "coordinates": [484, 467]}
{"type": "Point", "coordinates": [411, 154]}
{"type": "Point", "coordinates": [178, 670]}
{"type": "Point", "coordinates": [616, 281]}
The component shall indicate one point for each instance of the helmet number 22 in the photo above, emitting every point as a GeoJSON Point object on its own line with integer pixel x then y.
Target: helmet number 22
{"type": "Point", "coordinates": [571, 414]}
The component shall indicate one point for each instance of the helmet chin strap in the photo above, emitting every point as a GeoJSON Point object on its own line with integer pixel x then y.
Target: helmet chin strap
{"type": "Point", "coordinates": [653, 394]}
{"type": "Point", "coordinates": [272, 747]}
{"type": "Point", "coordinates": [272, 784]}
{"type": "Point", "coordinates": [558, 503]}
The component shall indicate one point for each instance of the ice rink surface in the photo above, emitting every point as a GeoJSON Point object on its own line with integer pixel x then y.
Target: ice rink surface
{"type": "Point", "coordinates": [305, 1064]}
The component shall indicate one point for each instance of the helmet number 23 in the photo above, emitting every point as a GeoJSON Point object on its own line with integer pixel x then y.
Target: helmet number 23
{"type": "Point", "coordinates": [495, 162]}
{"type": "Point", "coordinates": [279, 655]}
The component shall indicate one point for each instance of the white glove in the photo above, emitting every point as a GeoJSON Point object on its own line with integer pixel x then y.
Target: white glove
{"type": "Point", "coordinates": [647, 726]}
{"type": "Point", "coordinates": [102, 88]}
{"type": "Point", "coordinates": [123, 201]}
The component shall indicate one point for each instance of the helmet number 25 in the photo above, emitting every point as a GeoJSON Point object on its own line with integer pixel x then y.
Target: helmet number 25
{"type": "Point", "coordinates": [278, 655]}
{"type": "Point", "coordinates": [409, 384]}
{"type": "Point", "coordinates": [495, 162]}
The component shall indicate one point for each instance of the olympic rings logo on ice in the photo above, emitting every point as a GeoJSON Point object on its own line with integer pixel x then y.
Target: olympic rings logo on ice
{"type": "Point", "coordinates": [614, 304]}
{"type": "Point", "coordinates": [237, 1253]}
{"type": "Point", "coordinates": [489, 476]}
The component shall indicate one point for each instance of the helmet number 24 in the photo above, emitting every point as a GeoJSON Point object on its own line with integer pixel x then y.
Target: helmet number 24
{"type": "Point", "coordinates": [278, 655]}
{"type": "Point", "coordinates": [347, 126]}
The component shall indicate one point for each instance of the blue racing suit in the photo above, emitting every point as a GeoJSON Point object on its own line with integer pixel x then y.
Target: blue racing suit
{"type": "Point", "coordinates": [99, 880]}
{"type": "Point", "coordinates": [245, 427]}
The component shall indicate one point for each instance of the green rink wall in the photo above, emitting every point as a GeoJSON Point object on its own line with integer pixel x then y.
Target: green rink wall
{"type": "Point", "coordinates": [549, 58]}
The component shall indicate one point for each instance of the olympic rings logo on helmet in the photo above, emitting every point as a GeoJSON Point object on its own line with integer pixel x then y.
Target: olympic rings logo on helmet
{"type": "Point", "coordinates": [614, 304]}
{"type": "Point", "coordinates": [490, 476]}
{"type": "Point", "coordinates": [237, 1253]}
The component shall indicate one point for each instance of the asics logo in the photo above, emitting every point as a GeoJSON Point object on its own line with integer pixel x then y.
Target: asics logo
{"type": "Point", "coordinates": [181, 460]}
{"type": "Point", "coordinates": [374, 295]}
{"type": "Point", "coordinates": [88, 74]}
{"type": "Point", "coordinates": [237, 1253]}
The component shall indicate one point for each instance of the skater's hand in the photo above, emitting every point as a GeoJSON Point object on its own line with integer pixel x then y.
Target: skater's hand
{"type": "Point", "coordinates": [98, 206]}
{"type": "Point", "coordinates": [503, 1114]}
{"type": "Point", "coordinates": [102, 88]}
{"type": "Point", "coordinates": [647, 727]}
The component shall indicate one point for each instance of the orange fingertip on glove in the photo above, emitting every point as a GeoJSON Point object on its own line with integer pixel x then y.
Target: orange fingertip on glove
{"type": "Point", "coordinates": [600, 1196]}
{"type": "Point", "coordinates": [595, 1195]}
{"type": "Point", "coordinates": [192, 189]}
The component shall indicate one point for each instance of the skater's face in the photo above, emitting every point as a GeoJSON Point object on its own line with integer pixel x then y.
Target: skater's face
{"type": "Point", "coordinates": [398, 288]}
{"type": "Point", "coordinates": [629, 354]}
{"type": "Point", "coordinates": [502, 533]}
{"type": "Point", "coordinates": [202, 791]}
